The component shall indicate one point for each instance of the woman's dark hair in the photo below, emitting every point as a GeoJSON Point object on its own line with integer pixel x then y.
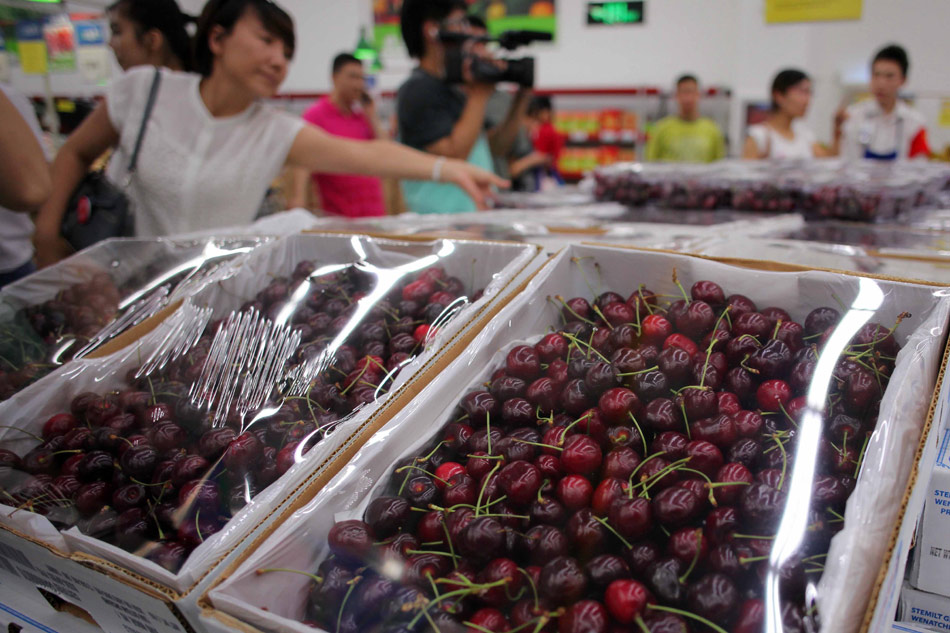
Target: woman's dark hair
{"type": "Point", "coordinates": [163, 16]}
{"type": "Point", "coordinates": [226, 13]}
{"type": "Point", "coordinates": [785, 81]}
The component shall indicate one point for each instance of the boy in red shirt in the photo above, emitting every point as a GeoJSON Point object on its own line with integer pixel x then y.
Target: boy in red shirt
{"type": "Point", "coordinates": [348, 112]}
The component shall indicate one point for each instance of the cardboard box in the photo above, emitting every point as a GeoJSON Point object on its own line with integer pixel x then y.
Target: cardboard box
{"type": "Point", "coordinates": [241, 594]}
{"type": "Point", "coordinates": [113, 590]}
{"type": "Point", "coordinates": [930, 570]}
{"type": "Point", "coordinates": [926, 610]}
{"type": "Point", "coordinates": [907, 627]}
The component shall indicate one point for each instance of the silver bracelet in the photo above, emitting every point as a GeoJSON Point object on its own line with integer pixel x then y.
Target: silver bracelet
{"type": "Point", "coordinates": [437, 169]}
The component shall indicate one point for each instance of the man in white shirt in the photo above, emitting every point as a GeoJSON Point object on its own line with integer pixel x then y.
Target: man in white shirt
{"type": "Point", "coordinates": [884, 128]}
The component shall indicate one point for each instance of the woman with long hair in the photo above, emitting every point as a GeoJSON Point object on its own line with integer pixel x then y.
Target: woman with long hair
{"type": "Point", "coordinates": [213, 145]}
{"type": "Point", "coordinates": [784, 135]}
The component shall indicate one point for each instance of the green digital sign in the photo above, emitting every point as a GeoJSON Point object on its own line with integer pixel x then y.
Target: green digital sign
{"type": "Point", "coordinates": [615, 13]}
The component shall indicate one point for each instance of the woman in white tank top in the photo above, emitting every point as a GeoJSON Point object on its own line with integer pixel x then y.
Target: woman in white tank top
{"type": "Point", "coordinates": [784, 136]}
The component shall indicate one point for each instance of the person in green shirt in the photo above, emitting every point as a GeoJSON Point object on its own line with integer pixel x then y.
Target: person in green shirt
{"type": "Point", "coordinates": [686, 137]}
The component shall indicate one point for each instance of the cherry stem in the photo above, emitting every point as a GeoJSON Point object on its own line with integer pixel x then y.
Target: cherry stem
{"type": "Point", "coordinates": [751, 559]}
{"type": "Point", "coordinates": [744, 366]}
{"type": "Point", "coordinates": [778, 324]}
{"type": "Point", "coordinates": [569, 309]}
{"type": "Point", "coordinates": [641, 624]}
{"type": "Point", "coordinates": [267, 570]}
{"type": "Point", "coordinates": [643, 300]}
{"type": "Point", "coordinates": [651, 481]}
{"type": "Point", "coordinates": [680, 286]}
{"type": "Point", "coordinates": [836, 515]}
{"type": "Point", "coordinates": [410, 466]}
{"type": "Point", "coordinates": [601, 315]}
{"type": "Point", "coordinates": [637, 373]}
{"type": "Point", "coordinates": [589, 347]}
{"type": "Point", "coordinates": [481, 492]}
{"type": "Point", "coordinates": [429, 456]}
{"type": "Point", "coordinates": [16, 428]}
{"type": "Point", "coordinates": [614, 532]}
{"type": "Point", "coordinates": [436, 552]}
{"type": "Point", "coordinates": [687, 614]}
{"type": "Point", "coordinates": [636, 425]}
{"type": "Point", "coordinates": [577, 261]}
{"type": "Point", "coordinates": [685, 419]}
{"type": "Point", "coordinates": [470, 589]}
{"type": "Point", "coordinates": [539, 444]}
{"type": "Point", "coordinates": [753, 537]}
{"type": "Point", "coordinates": [787, 415]}
{"type": "Point", "coordinates": [488, 428]}
{"type": "Point", "coordinates": [781, 447]}
{"type": "Point", "coordinates": [339, 616]}
{"type": "Point", "coordinates": [635, 470]}
{"type": "Point", "coordinates": [864, 448]}
{"type": "Point", "coordinates": [534, 590]}
{"type": "Point", "coordinates": [712, 343]}
{"type": "Point", "coordinates": [448, 539]}
{"type": "Point", "coordinates": [692, 564]}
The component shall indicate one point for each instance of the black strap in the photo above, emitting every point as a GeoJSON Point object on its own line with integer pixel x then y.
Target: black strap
{"type": "Point", "coordinates": [149, 106]}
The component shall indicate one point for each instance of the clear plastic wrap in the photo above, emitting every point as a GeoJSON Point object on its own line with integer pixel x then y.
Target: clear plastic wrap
{"type": "Point", "coordinates": [627, 490]}
{"type": "Point", "coordinates": [70, 309]}
{"type": "Point", "coordinates": [309, 336]}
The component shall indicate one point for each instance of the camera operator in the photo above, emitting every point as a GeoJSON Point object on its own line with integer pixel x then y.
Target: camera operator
{"type": "Point", "coordinates": [445, 119]}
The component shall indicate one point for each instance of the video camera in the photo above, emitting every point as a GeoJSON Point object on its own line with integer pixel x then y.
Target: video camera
{"type": "Point", "coordinates": [519, 71]}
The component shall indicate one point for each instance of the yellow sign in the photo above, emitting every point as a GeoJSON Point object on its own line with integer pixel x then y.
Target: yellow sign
{"type": "Point", "coordinates": [33, 57]}
{"type": "Point", "coordinates": [778, 11]}
{"type": "Point", "coordinates": [945, 113]}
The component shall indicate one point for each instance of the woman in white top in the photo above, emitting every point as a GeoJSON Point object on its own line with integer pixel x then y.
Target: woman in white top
{"type": "Point", "coordinates": [213, 146]}
{"type": "Point", "coordinates": [784, 136]}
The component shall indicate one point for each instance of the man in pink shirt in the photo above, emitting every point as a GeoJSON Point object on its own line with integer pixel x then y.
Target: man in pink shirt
{"type": "Point", "coordinates": [349, 112]}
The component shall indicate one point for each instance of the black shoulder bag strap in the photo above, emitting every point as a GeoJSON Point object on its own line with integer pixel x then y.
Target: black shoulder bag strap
{"type": "Point", "coordinates": [149, 107]}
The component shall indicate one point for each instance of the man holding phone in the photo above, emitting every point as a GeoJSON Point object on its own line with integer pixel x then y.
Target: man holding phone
{"type": "Point", "coordinates": [347, 111]}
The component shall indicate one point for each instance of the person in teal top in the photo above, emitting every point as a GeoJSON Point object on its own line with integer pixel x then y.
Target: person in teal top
{"type": "Point", "coordinates": [439, 118]}
{"type": "Point", "coordinates": [686, 137]}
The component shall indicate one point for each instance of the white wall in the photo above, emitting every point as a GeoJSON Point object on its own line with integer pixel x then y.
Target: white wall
{"type": "Point", "coordinates": [725, 42]}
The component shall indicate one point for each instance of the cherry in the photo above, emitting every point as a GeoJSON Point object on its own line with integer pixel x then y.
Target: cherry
{"type": "Point", "coordinates": [761, 505]}
{"type": "Point", "coordinates": [547, 511]}
{"type": "Point", "coordinates": [607, 491]}
{"type": "Point", "coordinates": [619, 313]}
{"type": "Point", "coordinates": [651, 385]}
{"type": "Point", "coordinates": [575, 397]}
{"type": "Point", "coordinates": [574, 491]}
{"type": "Point", "coordinates": [96, 465]}
{"type": "Point", "coordinates": [523, 362]}
{"type": "Point", "coordinates": [688, 544]}
{"type": "Point", "coordinates": [674, 507]}
{"type": "Point", "coordinates": [606, 568]}
{"type": "Point", "coordinates": [482, 538]}
{"type": "Point", "coordinates": [676, 363]}
{"type": "Point", "coordinates": [745, 451]}
{"type": "Point", "coordinates": [621, 461]}
{"type": "Point", "coordinates": [601, 377]}
{"type": "Point", "coordinates": [507, 387]}
{"type": "Point", "coordinates": [618, 404]}
{"type": "Point", "coordinates": [682, 342]}
{"type": "Point", "coordinates": [632, 518]}
{"type": "Point", "coordinates": [772, 395]}
{"type": "Point", "coordinates": [479, 405]}
{"type": "Point", "coordinates": [721, 523]}
{"type": "Point", "coordinates": [421, 490]}
{"type": "Point", "coordinates": [714, 597]}
{"type": "Point", "coordinates": [586, 616]}
{"type": "Point", "coordinates": [139, 461]}
{"type": "Point", "coordinates": [751, 617]}
{"type": "Point", "coordinates": [704, 457]}
{"type": "Point", "coordinates": [193, 533]}
{"type": "Point", "coordinates": [58, 425]}
{"type": "Point", "coordinates": [199, 493]}
{"type": "Point", "coordinates": [586, 533]}
{"type": "Point", "coordinates": [91, 497]}
{"type": "Point", "coordinates": [520, 480]}
{"type": "Point", "coordinates": [719, 430]}
{"type": "Point", "coordinates": [557, 372]}
{"type": "Point", "coordinates": [546, 542]}
{"type": "Point", "coordinates": [626, 600]}
{"type": "Point", "coordinates": [820, 319]}
{"type": "Point", "coordinates": [663, 578]}
{"type": "Point", "coordinates": [656, 328]}
{"type": "Point", "coordinates": [562, 581]}
{"type": "Point", "coordinates": [671, 443]}
{"type": "Point", "coordinates": [489, 619]}
{"type": "Point", "coordinates": [351, 540]}
{"type": "Point", "coordinates": [700, 403]}
{"type": "Point", "coordinates": [581, 455]}
{"type": "Point", "coordinates": [709, 292]}
{"type": "Point", "coordinates": [169, 555]}
{"type": "Point", "coordinates": [698, 319]}
{"type": "Point", "coordinates": [543, 393]}
{"type": "Point", "coordinates": [754, 324]}
{"type": "Point", "coordinates": [551, 346]}
{"type": "Point", "coordinates": [739, 305]}
{"type": "Point", "coordinates": [660, 622]}
{"type": "Point", "coordinates": [661, 415]}
{"type": "Point", "coordinates": [445, 472]}
{"type": "Point", "coordinates": [771, 360]}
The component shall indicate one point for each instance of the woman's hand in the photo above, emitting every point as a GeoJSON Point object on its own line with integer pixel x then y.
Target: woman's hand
{"type": "Point", "coordinates": [50, 247]}
{"type": "Point", "coordinates": [474, 181]}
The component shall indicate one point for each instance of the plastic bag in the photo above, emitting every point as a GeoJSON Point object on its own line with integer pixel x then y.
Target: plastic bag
{"type": "Point", "coordinates": [573, 570]}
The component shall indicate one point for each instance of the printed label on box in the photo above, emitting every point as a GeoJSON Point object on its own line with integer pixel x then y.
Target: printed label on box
{"type": "Point", "coordinates": [115, 607]}
{"type": "Point", "coordinates": [931, 566]}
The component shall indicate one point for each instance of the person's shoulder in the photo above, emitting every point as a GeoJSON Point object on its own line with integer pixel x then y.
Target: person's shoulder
{"type": "Point", "coordinates": [911, 114]}
{"type": "Point", "coordinates": [710, 124]}
{"type": "Point", "coordinates": [861, 108]}
{"type": "Point", "coordinates": [316, 111]}
{"type": "Point", "coordinates": [665, 123]}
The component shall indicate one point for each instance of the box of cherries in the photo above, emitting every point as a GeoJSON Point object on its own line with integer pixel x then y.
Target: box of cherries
{"type": "Point", "coordinates": [161, 471]}
{"type": "Point", "coordinates": [644, 442]}
{"type": "Point", "coordinates": [84, 301]}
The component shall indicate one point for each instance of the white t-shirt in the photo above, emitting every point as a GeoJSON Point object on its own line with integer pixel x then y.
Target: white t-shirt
{"type": "Point", "coordinates": [869, 132]}
{"type": "Point", "coordinates": [195, 172]}
{"type": "Point", "coordinates": [16, 229]}
{"type": "Point", "coordinates": [767, 139]}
